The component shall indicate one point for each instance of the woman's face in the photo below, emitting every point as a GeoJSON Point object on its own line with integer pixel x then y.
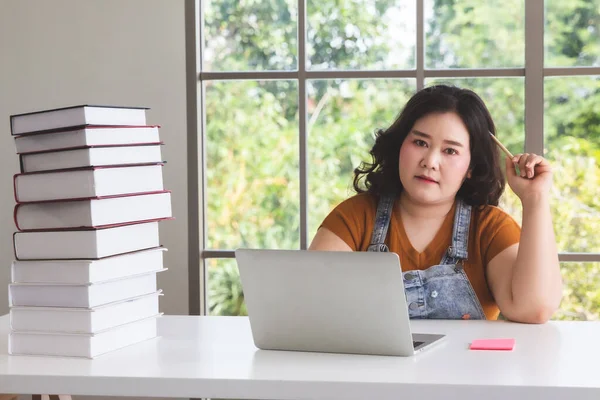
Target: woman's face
{"type": "Point", "coordinates": [434, 158]}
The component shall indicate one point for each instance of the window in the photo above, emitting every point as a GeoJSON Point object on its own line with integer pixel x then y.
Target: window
{"type": "Point", "coordinates": [293, 91]}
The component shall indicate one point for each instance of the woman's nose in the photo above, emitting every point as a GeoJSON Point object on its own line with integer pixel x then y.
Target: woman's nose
{"type": "Point", "coordinates": [430, 160]}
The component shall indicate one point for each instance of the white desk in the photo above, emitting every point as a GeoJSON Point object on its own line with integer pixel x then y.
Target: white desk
{"type": "Point", "coordinates": [215, 357]}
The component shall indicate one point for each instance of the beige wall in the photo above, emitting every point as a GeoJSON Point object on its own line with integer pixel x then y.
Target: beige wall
{"type": "Point", "coordinates": [122, 52]}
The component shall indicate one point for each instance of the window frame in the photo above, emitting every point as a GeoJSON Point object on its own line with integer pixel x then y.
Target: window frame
{"type": "Point", "coordinates": [533, 72]}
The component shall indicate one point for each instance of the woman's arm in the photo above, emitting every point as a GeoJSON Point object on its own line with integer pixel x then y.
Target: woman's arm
{"type": "Point", "coordinates": [525, 278]}
{"type": "Point", "coordinates": [327, 240]}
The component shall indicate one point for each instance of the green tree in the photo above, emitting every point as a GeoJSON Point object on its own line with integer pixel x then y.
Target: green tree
{"type": "Point", "coordinates": [572, 34]}
{"type": "Point", "coordinates": [250, 35]}
{"type": "Point", "coordinates": [475, 34]}
{"type": "Point", "coordinates": [252, 165]}
{"type": "Point", "coordinates": [225, 289]}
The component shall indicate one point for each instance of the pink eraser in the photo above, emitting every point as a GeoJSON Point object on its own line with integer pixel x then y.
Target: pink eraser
{"type": "Point", "coordinates": [493, 344]}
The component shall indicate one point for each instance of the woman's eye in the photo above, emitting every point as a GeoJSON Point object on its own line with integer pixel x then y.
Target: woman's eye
{"type": "Point", "coordinates": [420, 142]}
{"type": "Point", "coordinates": [451, 151]}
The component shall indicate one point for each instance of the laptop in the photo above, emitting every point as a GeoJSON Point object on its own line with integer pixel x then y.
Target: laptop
{"type": "Point", "coordinates": [328, 301]}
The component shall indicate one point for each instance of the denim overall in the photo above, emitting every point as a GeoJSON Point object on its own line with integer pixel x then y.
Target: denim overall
{"type": "Point", "coordinates": [442, 291]}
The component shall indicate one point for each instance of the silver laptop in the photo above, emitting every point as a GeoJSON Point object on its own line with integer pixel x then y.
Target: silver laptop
{"type": "Point", "coordinates": [328, 301]}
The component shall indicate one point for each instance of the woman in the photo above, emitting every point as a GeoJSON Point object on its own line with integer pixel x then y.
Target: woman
{"type": "Point", "coordinates": [431, 196]}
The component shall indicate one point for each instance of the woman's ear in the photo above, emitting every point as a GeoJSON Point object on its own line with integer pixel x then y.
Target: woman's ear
{"type": "Point", "coordinates": [469, 173]}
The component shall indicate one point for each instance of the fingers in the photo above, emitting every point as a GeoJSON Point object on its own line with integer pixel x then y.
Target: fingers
{"type": "Point", "coordinates": [527, 163]}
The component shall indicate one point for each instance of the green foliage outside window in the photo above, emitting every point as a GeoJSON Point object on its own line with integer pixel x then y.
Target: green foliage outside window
{"type": "Point", "coordinates": [252, 127]}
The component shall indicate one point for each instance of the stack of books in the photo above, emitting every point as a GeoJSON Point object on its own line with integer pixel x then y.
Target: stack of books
{"type": "Point", "coordinates": [89, 200]}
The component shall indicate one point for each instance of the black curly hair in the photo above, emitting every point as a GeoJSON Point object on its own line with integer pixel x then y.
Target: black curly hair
{"type": "Point", "coordinates": [487, 182]}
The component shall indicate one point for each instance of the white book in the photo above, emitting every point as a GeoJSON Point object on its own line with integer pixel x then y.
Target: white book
{"type": "Point", "coordinates": [80, 296]}
{"type": "Point", "coordinates": [86, 345]}
{"type": "Point", "coordinates": [80, 115]}
{"type": "Point", "coordinates": [93, 213]}
{"type": "Point", "coordinates": [84, 320]}
{"type": "Point", "coordinates": [87, 244]}
{"type": "Point", "coordinates": [88, 136]}
{"type": "Point", "coordinates": [88, 182]}
{"type": "Point", "coordinates": [88, 271]}
{"type": "Point", "coordinates": [91, 157]}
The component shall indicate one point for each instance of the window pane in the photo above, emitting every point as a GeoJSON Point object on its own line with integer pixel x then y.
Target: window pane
{"type": "Point", "coordinates": [572, 34]}
{"type": "Point", "coordinates": [250, 35]}
{"type": "Point", "coordinates": [572, 141]}
{"type": "Point", "coordinates": [369, 34]}
{"type": "Point", "coordinates": [474, 33]}
{"type": "Point", "coordinates": [225, 295]}
{"type": "Point", "coordinates": [505, 99]}
{"type": "Point", "coordinates": [252, 164]}
{"type": "Point", "coordinates": [343, 117]}
{"type": "Point", "coordinates": [581, 293]}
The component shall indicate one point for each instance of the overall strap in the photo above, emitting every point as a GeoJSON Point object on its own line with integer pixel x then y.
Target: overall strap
{"type": "Point", "coordinates": [460, 235]}
{"type": "Point", "coordinates": [382, 222]}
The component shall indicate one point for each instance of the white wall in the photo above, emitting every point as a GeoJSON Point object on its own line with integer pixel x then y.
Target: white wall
{"type": "Point", "coordinates": [122, 52]}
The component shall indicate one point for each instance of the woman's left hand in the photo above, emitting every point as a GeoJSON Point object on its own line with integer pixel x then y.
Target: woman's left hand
{"type": "Point", "coordinates": [535, 177]}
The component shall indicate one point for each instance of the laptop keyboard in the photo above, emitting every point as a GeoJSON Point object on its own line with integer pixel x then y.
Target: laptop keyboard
{"type": "Point", "coordinates": [417, 344]}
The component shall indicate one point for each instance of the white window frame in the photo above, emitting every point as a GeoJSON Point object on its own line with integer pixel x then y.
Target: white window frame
{"type": "Point", "coordinates": [534, 73]}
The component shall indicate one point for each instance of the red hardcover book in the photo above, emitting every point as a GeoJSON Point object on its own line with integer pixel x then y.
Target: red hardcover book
{"type": "Point", "coordinates": [76, 116]}
{"type": "Point", "coordinates": [97, 212]}
{"type": "Point", "coordinates": [93, 135]}
{"type": "Point", "coordinates": [88, 182]}
{"type": "Point", "coordinates": [91, 156]}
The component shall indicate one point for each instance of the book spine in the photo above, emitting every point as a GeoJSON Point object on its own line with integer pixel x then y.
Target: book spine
{"type": "Point", "coordinates": [97, 227]}
{"type": "Point", "coordinates": [113, 196]}
{"type": "Point", "coordinates": [15, 187]}
{"type": "Point", "coordinates": [15, 216]}
{"type": "Point", "coordinates": [15, 246]}
{"type": "Point", "coordinates": [12, 131]}
{"type": "Point", "coordinates": [93, 147]}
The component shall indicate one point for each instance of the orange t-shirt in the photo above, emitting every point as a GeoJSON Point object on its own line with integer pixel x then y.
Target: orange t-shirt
{"type": "Point", "coordinates": [491, 231]}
